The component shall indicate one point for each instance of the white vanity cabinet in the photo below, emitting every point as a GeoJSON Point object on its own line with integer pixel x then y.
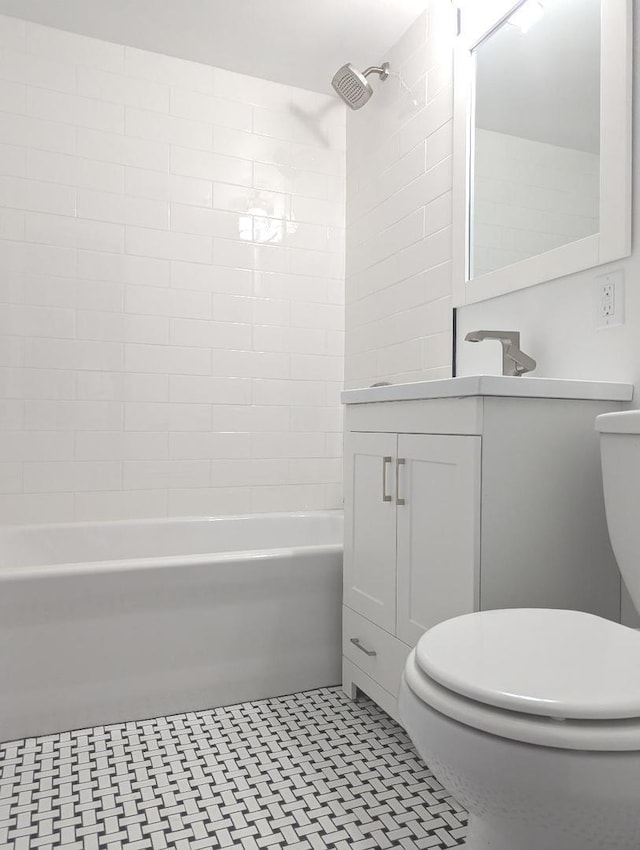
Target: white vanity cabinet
{"type": "Point", "coordinates": [466, 503]}
{"type": "Point", "coordinates": [411, 501]}
{"type": "Point", "coordinates": [370, 527]}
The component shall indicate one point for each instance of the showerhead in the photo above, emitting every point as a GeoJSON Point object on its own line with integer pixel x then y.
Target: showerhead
{"type": "Point", "coordinates": [352, 85]}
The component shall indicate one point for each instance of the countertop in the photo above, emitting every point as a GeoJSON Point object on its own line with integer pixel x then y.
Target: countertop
{"type": "Point", "coordinates": [492, 385]}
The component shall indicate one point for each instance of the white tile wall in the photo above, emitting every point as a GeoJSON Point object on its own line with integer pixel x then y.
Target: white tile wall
{"type": "Point", "coordinates": [530, 197]}
{"type": "Point", "coordinates": [172, 288]}
{"type": "Point", "coordinates": [399, 180]}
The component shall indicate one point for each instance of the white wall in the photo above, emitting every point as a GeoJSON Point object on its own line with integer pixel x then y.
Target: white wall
{"type": "Point", "coordinates": [388, 308]}
{"type": "Point", "coordinates": [529, 197]}
{"type": "Point", "coordinates": [171, 319]}
{"type": "Point", "coordinates": [398, 288]}
{"type": "Point", "coordinates": [558, 319]}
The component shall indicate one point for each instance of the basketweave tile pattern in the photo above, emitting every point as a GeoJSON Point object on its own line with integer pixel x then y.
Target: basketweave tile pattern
{"type": "Point", "coordinates": [303, 772]}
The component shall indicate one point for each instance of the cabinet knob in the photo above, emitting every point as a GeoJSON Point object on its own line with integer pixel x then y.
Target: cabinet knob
{"type": "Point", "coordinates": [370, 652]}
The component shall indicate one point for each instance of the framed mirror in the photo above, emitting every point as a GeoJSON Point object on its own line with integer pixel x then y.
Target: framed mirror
{"type": "Point", "coordinates": [542, 142]}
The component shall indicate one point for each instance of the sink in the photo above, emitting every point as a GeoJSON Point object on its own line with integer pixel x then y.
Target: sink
{"type": "Point", "coordinates": [492, 385]}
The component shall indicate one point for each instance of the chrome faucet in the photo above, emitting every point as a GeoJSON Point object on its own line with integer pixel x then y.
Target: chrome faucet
{"type": "Point", "coordinates": [514, 361]}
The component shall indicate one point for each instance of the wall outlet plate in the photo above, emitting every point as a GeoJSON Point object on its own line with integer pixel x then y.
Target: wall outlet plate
{"type": "Point", "coordinates": [610, 300]}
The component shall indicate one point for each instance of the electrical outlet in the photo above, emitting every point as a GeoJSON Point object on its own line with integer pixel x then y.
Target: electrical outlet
{"type": "Point", "coordinates": [610, 299]}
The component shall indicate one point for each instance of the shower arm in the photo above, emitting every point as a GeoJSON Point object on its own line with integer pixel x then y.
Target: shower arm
{"type": "Point", "coordinates": [381, 70]}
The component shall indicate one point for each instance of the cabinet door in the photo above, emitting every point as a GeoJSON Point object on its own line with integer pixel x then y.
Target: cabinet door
{"type": "Point", "coordinates": [438, 530]}
{"type": "Point", "coordinates": [370, 527]}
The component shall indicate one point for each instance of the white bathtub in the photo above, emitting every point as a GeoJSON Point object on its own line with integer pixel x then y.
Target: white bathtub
{"type": "Point", "coordinates": [106, 622]}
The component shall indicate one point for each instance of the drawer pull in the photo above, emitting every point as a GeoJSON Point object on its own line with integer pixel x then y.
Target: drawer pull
{"type": "Point", "coordinates": [386, 461]}
{"type": "Point", "coordinates": [399, 500]}
{"type": "Point", "coordinates": [370, 652]}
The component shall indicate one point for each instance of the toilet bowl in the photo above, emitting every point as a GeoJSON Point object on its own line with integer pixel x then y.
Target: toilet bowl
{"type": "Point", "coordinates": [531, 717]}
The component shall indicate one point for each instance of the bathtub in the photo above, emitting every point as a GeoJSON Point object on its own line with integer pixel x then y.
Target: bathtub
{"type": "Point", "coordinates": [106, 622]}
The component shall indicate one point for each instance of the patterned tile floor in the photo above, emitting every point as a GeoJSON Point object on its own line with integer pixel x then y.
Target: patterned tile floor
{"type": "Point", "coordinates": [304, 772]}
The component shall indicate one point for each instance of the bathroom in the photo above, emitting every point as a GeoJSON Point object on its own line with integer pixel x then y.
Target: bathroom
{"type": "Point", "coordinates": [209, 256]}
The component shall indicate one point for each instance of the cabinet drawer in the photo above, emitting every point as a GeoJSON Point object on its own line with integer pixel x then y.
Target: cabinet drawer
{"type": "Point", "coordinates": [386, 666]}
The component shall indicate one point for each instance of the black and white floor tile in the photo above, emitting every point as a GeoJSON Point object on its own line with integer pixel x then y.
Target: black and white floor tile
{"type": "Point", "coordinates": [304, 772]}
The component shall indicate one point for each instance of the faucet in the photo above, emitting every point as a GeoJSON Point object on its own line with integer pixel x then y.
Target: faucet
{"type": "Point", "coordinates": [514, 361]}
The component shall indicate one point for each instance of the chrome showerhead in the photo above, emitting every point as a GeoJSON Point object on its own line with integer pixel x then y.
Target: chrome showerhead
{"type": "Point", "coordinates": [352, 85]}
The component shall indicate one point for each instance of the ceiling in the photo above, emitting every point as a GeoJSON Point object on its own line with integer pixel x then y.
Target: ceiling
{"type": "Point", "coordinates": [300, 42]}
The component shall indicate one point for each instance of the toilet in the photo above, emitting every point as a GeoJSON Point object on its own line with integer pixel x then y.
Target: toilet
{"type": "Point", "coordinates": [530, 717]}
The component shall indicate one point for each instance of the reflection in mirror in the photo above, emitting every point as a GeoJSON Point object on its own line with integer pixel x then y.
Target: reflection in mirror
{"type": "Point", "coordinates": [535, 171]}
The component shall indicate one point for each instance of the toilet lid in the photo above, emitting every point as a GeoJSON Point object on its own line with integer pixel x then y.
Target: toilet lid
{"type": "Point", "coordinates": [538, 661]}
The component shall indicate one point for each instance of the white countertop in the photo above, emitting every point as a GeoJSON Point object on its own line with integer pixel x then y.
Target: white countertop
{"type": "Point", "coordinates": [492, 385]}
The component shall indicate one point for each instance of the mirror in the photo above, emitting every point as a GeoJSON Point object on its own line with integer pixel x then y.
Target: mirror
{"type": "Point", "coordinates": [536, 126]}
{"type": "Point", "coordinates": [542, 142]}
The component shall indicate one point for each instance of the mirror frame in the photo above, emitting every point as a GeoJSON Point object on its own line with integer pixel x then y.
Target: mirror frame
{"type": "Point", "coordinates": [613, 241]}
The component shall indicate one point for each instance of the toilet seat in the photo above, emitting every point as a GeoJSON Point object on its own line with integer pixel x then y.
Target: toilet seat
{"type": "Point", "coordinates": [551, 678]}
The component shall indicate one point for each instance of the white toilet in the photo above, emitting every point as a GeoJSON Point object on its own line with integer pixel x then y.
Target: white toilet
{"type": "Point", "coordinates": [531, 717]}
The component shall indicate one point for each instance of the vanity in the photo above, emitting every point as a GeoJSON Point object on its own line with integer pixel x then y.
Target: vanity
{"type": "Point", "coordinates": [469, 494]}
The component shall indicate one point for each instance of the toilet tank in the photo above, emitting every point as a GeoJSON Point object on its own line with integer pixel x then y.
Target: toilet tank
{"type": "Point", "coordinates": [620, 454]}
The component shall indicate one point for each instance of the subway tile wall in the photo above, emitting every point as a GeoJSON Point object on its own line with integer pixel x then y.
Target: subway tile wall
{"type": "Point", "coordinates": [399, 181]}
{"type": "Point", "coordinates": [172, 288]}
